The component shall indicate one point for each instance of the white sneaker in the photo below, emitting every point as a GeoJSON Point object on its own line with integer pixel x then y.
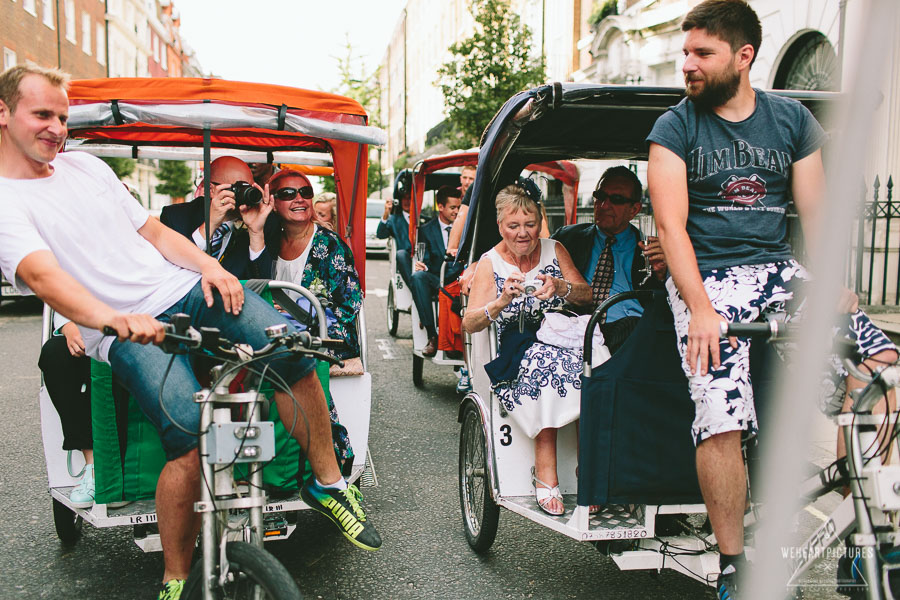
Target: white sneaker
{"type": "Point", "coordinates": [82, 495]}
{"type": "Point", "coordinates": [464, 385]}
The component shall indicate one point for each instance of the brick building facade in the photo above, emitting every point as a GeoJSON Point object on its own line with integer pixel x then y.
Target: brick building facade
{"type": "Point", "coordinates": [70, 34]}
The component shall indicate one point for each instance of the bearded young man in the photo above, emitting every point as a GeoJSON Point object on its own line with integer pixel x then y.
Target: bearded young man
{"type": "Point", "coordinates": [724, 165]}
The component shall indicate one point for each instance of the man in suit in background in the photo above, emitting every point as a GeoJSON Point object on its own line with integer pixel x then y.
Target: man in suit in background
{"type": "Point", "coordinates": [425, 279]}
{"type": "Point", "coordinates": [610, 254]}
{"type": "Point", "coordinates": [240, 250]}
{"type": "Point", "coordinates": [395, 223]}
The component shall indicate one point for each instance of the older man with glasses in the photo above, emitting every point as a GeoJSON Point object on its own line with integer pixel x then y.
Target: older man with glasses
{"type": "Point", "coordinates": [610, 254]}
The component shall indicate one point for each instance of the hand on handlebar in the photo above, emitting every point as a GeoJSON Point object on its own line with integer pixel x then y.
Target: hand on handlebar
{"type": "Point", "coordinates": [138, 328]}
{"type": "Point", "coordinates": [703, 341]}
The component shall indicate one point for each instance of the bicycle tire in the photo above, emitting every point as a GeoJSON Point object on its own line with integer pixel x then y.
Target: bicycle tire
{"type": "Point", "coordinates": [252, 567]}
{"type": "Point", "coordinates": [480, 513]}
{"type": "Point", "coordinates": [68, 523]}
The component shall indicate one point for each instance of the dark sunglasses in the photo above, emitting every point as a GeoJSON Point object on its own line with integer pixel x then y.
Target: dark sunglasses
{"type": "Point", "coordinates": [289, 193]}
{"type": "Point", "coordinates": [600, 196]}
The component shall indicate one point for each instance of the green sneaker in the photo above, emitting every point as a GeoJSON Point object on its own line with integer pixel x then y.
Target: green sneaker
{"type": "Point", "coordinates": [171, 590]}
{"type": "Point", "coordinates": [343, 508]}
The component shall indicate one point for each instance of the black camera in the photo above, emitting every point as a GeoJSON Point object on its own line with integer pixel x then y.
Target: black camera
{"type": "Point", "coordinates": [245, 194]}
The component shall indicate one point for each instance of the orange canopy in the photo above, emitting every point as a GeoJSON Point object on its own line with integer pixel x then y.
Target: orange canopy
{"type": "Point", "coordinates": [249, 116]}
{"type": "Point", "coordinates": [562, 170]}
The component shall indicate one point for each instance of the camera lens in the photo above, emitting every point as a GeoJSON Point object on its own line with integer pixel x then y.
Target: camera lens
{"type": "Point", "coordinates": [245, 194]}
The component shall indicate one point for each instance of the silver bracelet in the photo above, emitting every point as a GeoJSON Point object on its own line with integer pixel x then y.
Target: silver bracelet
{"type": "Point", "coordinates": [487, 313]}
{"type": "Point", "coordinates": [568, 289]}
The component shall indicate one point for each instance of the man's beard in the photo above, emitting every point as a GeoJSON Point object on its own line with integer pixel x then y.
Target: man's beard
{"type": "Point", "coordinates": [715, 92]}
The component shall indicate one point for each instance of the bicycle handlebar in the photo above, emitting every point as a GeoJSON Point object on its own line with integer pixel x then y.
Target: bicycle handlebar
{"type": "Point", "coordinates": [180, 336]}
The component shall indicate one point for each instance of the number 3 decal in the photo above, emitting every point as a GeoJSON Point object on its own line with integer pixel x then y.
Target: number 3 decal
{"type": "Point", "coordinates": [506, 440]}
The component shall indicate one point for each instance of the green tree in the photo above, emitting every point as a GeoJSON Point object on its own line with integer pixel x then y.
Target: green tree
{"type": "Point", "coordinates": [122, 167]}
{"type": "Point", "coordinates": [175, 178]}
{"type": "Point", "coordinates": [486, 70]}
{"type": "Point", "coordinates": [363, 87]}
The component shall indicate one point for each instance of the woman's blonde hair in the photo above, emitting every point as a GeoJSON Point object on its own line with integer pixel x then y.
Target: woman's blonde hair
{"type": "Point", "coordinates": [512, 198]}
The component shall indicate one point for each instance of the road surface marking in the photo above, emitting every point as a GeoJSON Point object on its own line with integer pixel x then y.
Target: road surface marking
{"type": "Point", "coordinates": [387, 349]}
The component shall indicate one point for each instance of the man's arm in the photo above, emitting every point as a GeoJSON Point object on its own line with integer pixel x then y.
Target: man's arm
{"type": "Point", "coordinates": [667, 184]}
{"type": "Point", "coordinates": [808, 191]}
{"type": "Point", "coordinates": [42, 274]}
{"type": "Point", "coordinates": [180, 251]}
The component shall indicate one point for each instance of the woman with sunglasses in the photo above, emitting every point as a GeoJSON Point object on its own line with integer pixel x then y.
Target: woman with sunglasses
{"type": "Point", "coordinates": [515, 282]}
{"type": "Point", "coordinates": [315, 257]}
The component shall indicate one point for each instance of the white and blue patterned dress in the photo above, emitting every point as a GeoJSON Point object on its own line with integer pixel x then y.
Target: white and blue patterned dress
{"type": "Point", "coordinates": [547, 391]}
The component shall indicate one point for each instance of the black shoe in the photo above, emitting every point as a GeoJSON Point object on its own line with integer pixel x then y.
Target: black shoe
{"type": "Point", "coordinates": [431, 347]}
{"type": "Point", "coordinates": [344, 510]}
{"type": "Point", "coordinates": [726, 584]}
{"type": "Point", "coordinates": [849, 574]}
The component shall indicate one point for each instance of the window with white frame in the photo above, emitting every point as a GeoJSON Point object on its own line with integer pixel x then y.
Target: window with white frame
{"type": "Point", "coordinates": [9, 59]}
{"type": "Point", "coordinates": [101, 44]}
{"type": "Point", "coordinates": [86, 33]}
{"type": "Point", "coordinates": [47, 7]}
{"type": "Point", "coordinates": [70, 21]}
{"type": "Point", "coordinates": [28, 5]}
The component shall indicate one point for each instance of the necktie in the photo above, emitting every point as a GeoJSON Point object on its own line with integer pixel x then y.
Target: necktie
{"type": "Point", "coordinates": [218, 236]}
{"type": "Point", "coordinates": [603, 274]}
{"type": "Point", "coordinates": [447, 235]}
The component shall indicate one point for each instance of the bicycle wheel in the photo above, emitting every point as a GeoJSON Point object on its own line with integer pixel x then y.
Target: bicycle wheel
{"type": "Point", "coordinates": [250, 568]}
{"type": "Point", "coordinates": [418, 365]}
{"type": "Point", "coordinates": [68, 523]}
{"type": "Point", "coordinates": [479, 511]}
{"type": "Point", "coordinates": [393, 315]}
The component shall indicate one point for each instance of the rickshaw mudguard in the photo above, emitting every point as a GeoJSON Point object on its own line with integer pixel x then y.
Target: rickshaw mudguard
{"type": "Point", "coordinates": [636, 414]}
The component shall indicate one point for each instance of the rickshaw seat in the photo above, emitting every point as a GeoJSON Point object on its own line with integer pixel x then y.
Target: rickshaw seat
{"type": "Point", "coordinates": [636, 444]}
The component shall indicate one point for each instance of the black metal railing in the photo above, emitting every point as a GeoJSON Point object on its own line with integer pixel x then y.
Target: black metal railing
{"type": "Point", "coordinates": [876, 265]}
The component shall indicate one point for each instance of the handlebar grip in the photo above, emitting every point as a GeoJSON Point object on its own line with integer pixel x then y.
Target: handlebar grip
{"type": "Point", "coordinates": [107, 330]}
{"type": "Point", "coordinates": [769, 329]}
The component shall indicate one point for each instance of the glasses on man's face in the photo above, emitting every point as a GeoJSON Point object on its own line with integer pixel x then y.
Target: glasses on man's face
{"type": "Point", "coordinates": [289, 193]}
{"type": "Point", "coordinates": [600, 197]}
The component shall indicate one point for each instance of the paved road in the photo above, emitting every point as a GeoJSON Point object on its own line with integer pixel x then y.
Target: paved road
{"type": "Point", "coordinates": [414, 438]}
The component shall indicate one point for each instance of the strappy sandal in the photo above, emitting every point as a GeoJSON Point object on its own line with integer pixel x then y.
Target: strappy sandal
{"type": "Point", "coordinates": [544, 493]}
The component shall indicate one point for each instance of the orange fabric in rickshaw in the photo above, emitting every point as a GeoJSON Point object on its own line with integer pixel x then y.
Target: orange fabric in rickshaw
{"type": "Point", "coordinates": [349, 158]}
{"type": "Point", "coordinates": [450, 328]}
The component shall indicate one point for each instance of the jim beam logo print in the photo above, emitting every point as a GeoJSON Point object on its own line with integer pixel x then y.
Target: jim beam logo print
{"type": "Point", "coordinates": [743, 190]}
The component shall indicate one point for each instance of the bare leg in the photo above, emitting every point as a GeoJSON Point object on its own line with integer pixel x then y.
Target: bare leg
{"type": "Point", "coordinates": [887, 356]}
{"type": "Point", "coordinates": [88, 455]}
{"type": "Point", "coordinates": [720, 469]}
{"type": "Point", "coordinates": [177, 490]}
{"type": "Point", "coordinates": [545, 462]}
{"type": "Point", "coordinates": [311, 398]}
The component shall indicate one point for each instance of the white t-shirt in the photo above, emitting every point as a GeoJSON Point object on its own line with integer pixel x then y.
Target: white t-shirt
{"type": "Point", "coordinates": [292, 270]}
{"type": "Point", "coordinates": [84, 215]}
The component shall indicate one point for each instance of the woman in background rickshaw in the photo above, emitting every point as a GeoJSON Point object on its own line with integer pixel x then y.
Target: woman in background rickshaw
{"type": "Point", "coordinates": [519, 279]}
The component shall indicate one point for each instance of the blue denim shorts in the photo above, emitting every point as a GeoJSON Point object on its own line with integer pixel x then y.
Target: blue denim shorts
{"type": "Point", "coordinates": [142, 369]}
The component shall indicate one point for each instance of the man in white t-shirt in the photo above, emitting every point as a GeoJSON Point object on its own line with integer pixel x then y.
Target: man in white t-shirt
{"type": "Point", "coordinates": [71, 234]}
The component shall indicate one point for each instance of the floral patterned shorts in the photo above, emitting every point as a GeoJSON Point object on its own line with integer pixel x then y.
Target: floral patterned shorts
{"type": "Point", "coordinates": [724, 397]}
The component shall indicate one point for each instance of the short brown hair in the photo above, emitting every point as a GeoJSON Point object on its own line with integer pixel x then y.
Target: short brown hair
{"type": "Point", "coordinates": [513, 197]}
{"type": "Point", "coordinates": [732, 21]}
{"type": "Point", "coordinates": [11, 79]}
{"type": "Point", "coordinates": [445, 192]}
